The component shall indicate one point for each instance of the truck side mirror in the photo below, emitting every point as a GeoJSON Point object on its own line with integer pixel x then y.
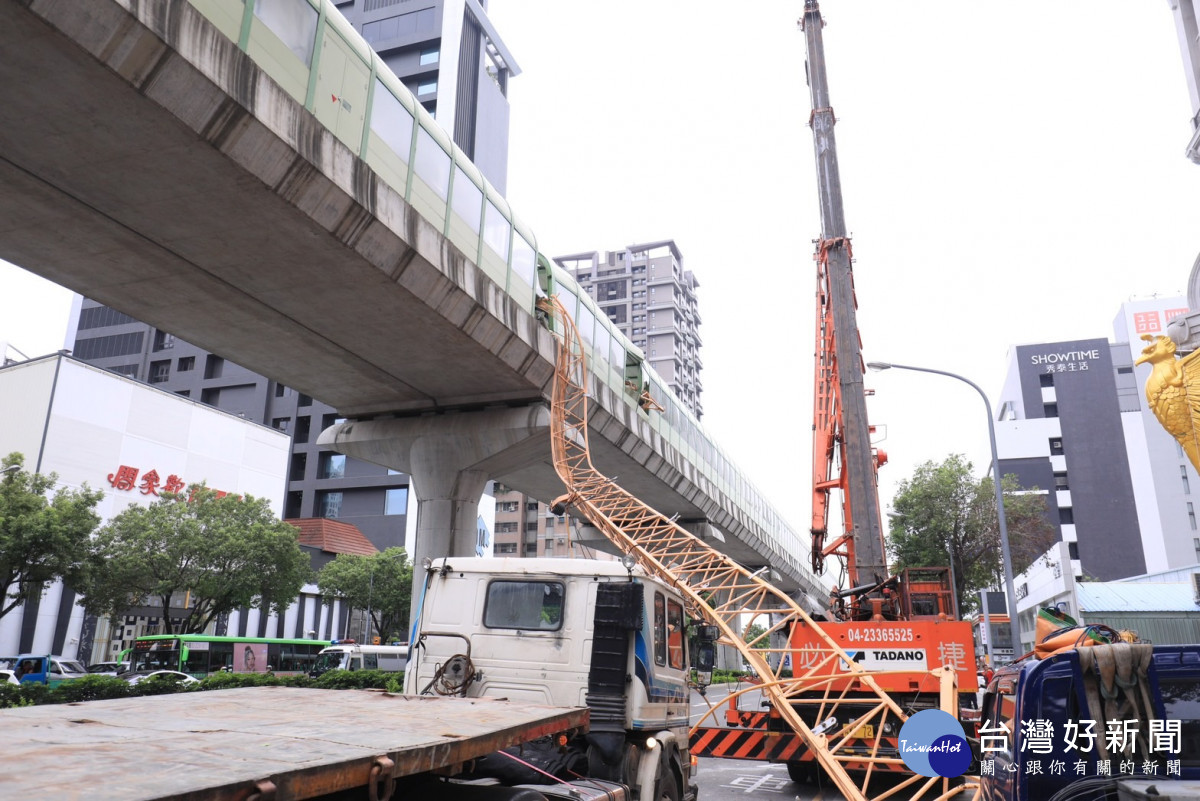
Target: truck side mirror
{"type": "Point", "coordinates": [706, 654]}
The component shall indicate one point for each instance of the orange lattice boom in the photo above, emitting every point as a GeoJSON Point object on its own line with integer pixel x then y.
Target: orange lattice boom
{"type": "Point", "coordinates": [722, 591]}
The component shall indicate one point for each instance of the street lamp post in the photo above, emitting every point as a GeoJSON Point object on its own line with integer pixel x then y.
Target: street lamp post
{"type": "Point", "coordinates": [1006, 554]}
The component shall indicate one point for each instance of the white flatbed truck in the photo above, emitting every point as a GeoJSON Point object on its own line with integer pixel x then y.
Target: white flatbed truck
{"type": "Point", "coordinates": [263, 743]}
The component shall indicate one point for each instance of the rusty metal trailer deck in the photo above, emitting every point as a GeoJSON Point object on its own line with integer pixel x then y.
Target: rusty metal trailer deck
{"type": "Point", "coordinates": [260, 743]}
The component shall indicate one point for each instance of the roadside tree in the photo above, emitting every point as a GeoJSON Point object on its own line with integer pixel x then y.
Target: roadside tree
{"type": "Point", "coordinates": [944, 516]}
{"type": "Point", "coordinates": [42, 537]}
{"type": "Point", "coordinates": [212, 554]}
{"type": "Point", "coordinates": [381, 582]}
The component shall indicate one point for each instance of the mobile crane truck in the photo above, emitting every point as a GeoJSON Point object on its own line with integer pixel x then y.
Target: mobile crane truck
{"type": "Point", "coordinates": [898, 627]}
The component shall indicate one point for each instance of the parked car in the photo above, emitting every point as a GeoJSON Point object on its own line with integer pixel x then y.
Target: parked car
{"type": "Point", "coordinates": [108, 668]}
{"type": "Point", "coordinates": [8, 677]}
{"type": "Point", "coordinates": [140, 675]}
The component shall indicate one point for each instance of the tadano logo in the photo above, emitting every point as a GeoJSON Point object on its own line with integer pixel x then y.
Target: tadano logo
{"type": "Point", "coordinates": [932, 743]}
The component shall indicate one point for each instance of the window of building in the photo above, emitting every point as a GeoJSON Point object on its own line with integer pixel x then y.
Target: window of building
{"type": "Point", "coordinates": [280, 390]}
{"type": "Point", "coordinates": [506, 528]}
{"type": "Point", "coordinates": [333, 465]}
{"type": "Point", "coordinates": [531, 549]}
{"type": "Point", "coordinates": [160, 371]}
{"type": "Point", "coordinates": [1073, 550]}
{"type": "Point", "coordinates": [1196, 545]}
{"type": "Point", "coordinates": [214, 366]}
{"type": "Point", "coordinates": [1124, 370]}
{"type": "Point", "coordinates": [102, 317]}
{"type": "Point", "coordinates": [426, 87]}
{"type": "Point", "coordinates": [1046, 379]}
{"type": "Point", "coordinates": [509, 506]}
{"type": "Point", "coordinates": [531, 505]}
{"type": "Point", "coordinates": [1056, 446]}
{"type": "Point", "coordinates": [280, 423]}
{"type": "Point", "coordinates": [304, 400]}
{"type": "Point", "coordinates": [299, 466]}
{"type": "Point", "coordinates": [163, 340]}
{"type": "Point", "coordinates": [302, 429]}
{"type": "Point", "coordinates": [1060, 482]}
{"type": "Point", "coordinates": [395, 501]}
{"type": "Point", "coordinates": [186, 364]}
{"type": "Point", "coordinates": [531, 526]}
{"type": "Point", "coordinates": [1066, 515]}
{"type": "Point", "coordinates": [1050, 409]}
{"type": "Point", "coordinates": [329, 504]}
{"type": "Point", "coordinates": [1183, 476]}
{"type": "Point", "coordinates": [183, 393]}
{"type": "Point", "coordinates": [1191, 516]}
{"type": "Point", "coordinates": [430, 55]}
{"type": "Point", "coordinates": [506, 547]}
{"type": "Point", "coordinates": [103, 347]}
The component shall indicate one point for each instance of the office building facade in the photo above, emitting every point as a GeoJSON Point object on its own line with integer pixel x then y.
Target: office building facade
{"type": "Point", "coordinates": [449, 55]}
{"type": "Point", "coordinates": [1073, 423]}
{"type": "Point", "coordinates": [132, 442]}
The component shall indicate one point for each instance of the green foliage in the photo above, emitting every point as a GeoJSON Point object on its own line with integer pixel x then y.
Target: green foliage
{"type": "Point", "coordinates": [381, 582]}
{"type": "Point", "coordinates": [355, 680]}
{"type": "Point", "coordinates": [89, 688]}
{"type": "Point", "coordinates": [224, 552]}
{"type": "Point", "coordinates": [946, 517]}
{"type": "Point", "coordinates": [42, 538]}
{"type": "Point", "coordinates": [753, 632]}
{"type": "Point", "coordinates": [99, 688]}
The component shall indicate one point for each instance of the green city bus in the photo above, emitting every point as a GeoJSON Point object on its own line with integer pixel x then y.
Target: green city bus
{"type": "Point", "coordinates": [201, 654]}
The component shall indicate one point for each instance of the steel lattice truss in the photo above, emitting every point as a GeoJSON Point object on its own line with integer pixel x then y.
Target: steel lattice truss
{"type": "Point", "coordinates": [722, 591]}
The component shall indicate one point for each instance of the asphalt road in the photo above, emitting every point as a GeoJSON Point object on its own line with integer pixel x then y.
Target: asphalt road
{"type": "Point", "coordinates": [735, 779]}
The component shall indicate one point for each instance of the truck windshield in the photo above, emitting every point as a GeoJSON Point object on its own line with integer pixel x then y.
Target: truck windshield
{"type": "Point", "coordinates": [330, 660]}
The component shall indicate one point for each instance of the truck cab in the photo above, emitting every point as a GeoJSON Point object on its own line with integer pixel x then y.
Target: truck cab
{"type": "Point", "coordinates": [1035, 728]}
{"type": "Point", "coordinates": [49, 670]}
{"type": "Point", "coordinates": [567, 632]}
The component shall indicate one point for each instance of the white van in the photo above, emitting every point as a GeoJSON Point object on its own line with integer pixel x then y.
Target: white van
{"type": "Point", "coordinates": [352, 656]}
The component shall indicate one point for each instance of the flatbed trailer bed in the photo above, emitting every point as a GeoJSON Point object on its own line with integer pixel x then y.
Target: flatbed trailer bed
{"type": "Point", "coordinates": [277, 742]}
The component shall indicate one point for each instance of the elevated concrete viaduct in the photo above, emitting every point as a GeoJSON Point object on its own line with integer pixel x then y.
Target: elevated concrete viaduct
{"type": "Point", "coordinates": [147, 162]}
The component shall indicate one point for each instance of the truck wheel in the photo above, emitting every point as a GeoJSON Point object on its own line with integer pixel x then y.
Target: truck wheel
{"type": "Point", "coordinates": [667, 788]}
{"type": "Point", "coordinates": [800, 772]}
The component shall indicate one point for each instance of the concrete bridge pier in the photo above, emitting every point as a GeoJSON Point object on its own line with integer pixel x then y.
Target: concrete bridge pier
{"type": "Point", "coordinates": [450, 458]}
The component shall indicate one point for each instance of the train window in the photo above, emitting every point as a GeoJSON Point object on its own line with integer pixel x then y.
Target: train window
{"type": "Point", "coordinates": [568, 300]}
{"type": "Point", "coordinates": [468, 200]}
{"type": "Point", "coordinates": [496, 230]}
{"type": "Point", "coordinates": [603, 341]}
{"type": "Point", "coordinates": [391, 121]}
{"type": "Point", "coordinates": [523, 259]}
{"type": "Point", "coordinates": [293, 21]}
{"type": "Point", "coordinates": [432, 163]}
{"type": "Point", "coordinates": [586, 322]}
{"type": "Point", "coordinates": [660, 629]}
{"type": "Point", "coordinates": [616, 355]}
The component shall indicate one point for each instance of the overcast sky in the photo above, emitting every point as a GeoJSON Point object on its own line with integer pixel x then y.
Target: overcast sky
{"type": "Point", "coordinates": [1011, 174]}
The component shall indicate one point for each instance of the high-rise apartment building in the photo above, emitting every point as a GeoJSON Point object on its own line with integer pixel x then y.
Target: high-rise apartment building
{"type": "Point", "coordinates": [525, 526]}
{"type": "Point", "coordinates": [651, 299]}
{"type": "Point", "coordinates": [450, 56]}
{"type": "Point", "coordinates": [648, 295]}
{"type": "Point", "coordinates": [1073, 422]}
